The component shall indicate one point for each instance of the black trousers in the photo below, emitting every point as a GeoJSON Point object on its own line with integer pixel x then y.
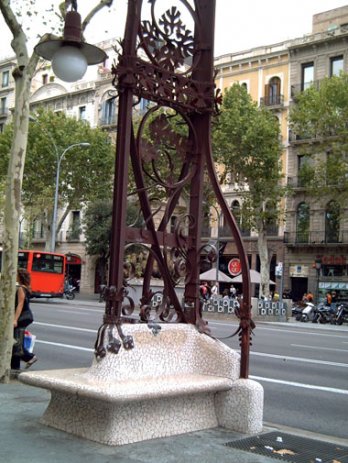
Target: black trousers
{"type": "Point", "coordinates": [19, 352]}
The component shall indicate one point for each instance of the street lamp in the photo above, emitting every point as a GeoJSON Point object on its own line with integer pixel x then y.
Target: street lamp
{"type": "Point", "coordinates": [55, 207]}
{"type": "Point", "coordinates": [317, 265]}
{"type": "Point", "coordinates": [69, 55]}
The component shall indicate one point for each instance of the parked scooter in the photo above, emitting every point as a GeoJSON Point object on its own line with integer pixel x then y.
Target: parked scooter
{"type": "Point", "coordinates": [296, 311]}
{"type": "Point", "coordinates": [341, 314]}
{"type": "Point", "coordinates": [69, 292]}
{"type": "Point", "coordinates": [308, 312]}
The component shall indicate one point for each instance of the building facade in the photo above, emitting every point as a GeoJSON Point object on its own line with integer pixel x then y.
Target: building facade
{"type": "Point", "coordinates": [264, 71]}
{"type": "Point", "coordinates": [309, 236]}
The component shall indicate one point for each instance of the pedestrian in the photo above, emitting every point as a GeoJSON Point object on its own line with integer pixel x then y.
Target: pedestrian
{"type": "Point", "coordinates": [233, 292]}
{"type": "Point", "coordinates": [23, 317]}
{"type": "Point", "coordinates": [215, 289]}
{"type": "Point", "coordinates": [328, 299]}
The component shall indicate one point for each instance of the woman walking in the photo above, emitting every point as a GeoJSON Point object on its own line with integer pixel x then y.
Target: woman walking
{"type": "Point", "coordinates": [23, 318]}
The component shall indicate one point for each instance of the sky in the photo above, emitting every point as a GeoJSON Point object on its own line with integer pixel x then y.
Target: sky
{"type": "Point", "coordinates": [239, 25]}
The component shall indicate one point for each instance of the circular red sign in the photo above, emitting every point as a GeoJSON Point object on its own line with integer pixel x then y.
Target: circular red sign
{"type": "Point", "coordinates": [234, 267]}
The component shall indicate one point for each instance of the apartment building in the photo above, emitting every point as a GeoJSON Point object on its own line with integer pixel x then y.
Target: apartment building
{"type": "Point", "coordinates": [264, 71]}
{"type": "Point", "coordinates": [323, 53]}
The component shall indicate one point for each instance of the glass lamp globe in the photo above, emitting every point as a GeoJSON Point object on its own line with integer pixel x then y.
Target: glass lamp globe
{"type": "Point", "coordinates": [69, 64]}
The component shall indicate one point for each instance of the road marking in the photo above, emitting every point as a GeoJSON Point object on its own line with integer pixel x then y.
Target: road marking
{"type": "Point", "coordinates": [300, 359]}
{"type": "Point", "coordinates": [319, 348]}
{"type": "Point", "coordinates": [84, 309]}
{"type": "Point", "coordinates": [258, 378]}
{"type": "Point", "coordinates": [69, 346]}
{"type": "Point", "coordinates": [65, 327]}
{"type": "Point", "coordinates": [302, 385]}
{"type": "Point", "coordinates": [258, 327]}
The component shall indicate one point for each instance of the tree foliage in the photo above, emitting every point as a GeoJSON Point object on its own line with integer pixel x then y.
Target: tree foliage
{"type": "Point", "coordinates": [318, 122]}
{"type": "Point", "coordinates": [246, 143]}
{"type": "Point", "coordinates": [85, 174]}
{"type": "Point", "coordinates": [13, 14]}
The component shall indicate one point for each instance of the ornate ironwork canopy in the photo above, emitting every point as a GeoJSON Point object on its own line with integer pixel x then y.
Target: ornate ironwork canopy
{"type": "Point", "coordinates": [164, 156]}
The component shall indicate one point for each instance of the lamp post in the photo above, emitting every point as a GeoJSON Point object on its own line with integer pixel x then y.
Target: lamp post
{"type": "Point", "coordinates": [318, 268]}
{"type": "Point", "coordinates": [55, 207]}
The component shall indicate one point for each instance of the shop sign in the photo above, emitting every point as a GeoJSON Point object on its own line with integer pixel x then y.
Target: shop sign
{"type": "Point", "coordinates": [300, 270]}
{"type": "Point", "coordinates": [234, 267]}
{"type": "Point", "coordinates": [332, 285]}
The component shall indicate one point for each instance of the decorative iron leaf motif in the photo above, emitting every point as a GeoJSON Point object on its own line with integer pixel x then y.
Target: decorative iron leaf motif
{"type": "Point", "coordinates": [169, 42]}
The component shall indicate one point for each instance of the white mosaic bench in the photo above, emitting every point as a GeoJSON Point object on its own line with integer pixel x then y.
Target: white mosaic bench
{"type": "Point", "coordinates": [175, 382]}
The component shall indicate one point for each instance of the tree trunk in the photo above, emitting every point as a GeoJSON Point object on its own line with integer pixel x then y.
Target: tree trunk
{"type": "Point", "coordinates": [264, 260]}
{"type": "Point", "coordinates": [11, 219]}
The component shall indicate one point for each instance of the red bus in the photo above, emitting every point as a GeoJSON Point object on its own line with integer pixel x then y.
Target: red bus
{"type": "Point", "coordinates": [47, 270]}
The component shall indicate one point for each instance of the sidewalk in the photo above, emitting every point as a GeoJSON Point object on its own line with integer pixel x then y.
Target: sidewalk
{"type": "Point", "coordinates": [24, 439]}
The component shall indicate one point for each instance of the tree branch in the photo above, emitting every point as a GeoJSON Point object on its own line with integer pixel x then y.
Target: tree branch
{"type": "Point", "coordinates": [18, 42]}
{"type": "Point", "coordinates": [94, 11]}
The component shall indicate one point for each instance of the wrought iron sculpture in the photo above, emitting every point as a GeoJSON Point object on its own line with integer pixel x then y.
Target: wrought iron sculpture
{"type": "Point", "coordinates": [170, 65]}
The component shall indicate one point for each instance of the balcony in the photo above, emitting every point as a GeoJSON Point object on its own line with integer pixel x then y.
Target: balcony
{"type": "Point", "coordinates": [272, 101]}
{"type": "Point", "coordinates": [316, 238]}
{"type": "Point", "coordinates": [73, 235]}
{"type": "Point", "coordinates": [38, 236]}
{"type": "Point", "coordinates": [299, 88]}
{"type": "Point", "coordinates": [4, 112]}
{"type": "Point", "coordinates": [108, 121]}
{"type": "Point", "coordinates": [225, 231]}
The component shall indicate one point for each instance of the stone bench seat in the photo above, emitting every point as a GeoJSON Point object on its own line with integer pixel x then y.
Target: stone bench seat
{"type": "Point", "coordinates": [74, 381]}
{"type": "Point", "coordinates": [173, 382]}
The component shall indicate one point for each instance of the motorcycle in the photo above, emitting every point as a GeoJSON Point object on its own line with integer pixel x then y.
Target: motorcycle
{"type": "Point", "coordinates": [325, 314]}
{"type": "Point", "coordinates": [69, 292]}
{"type": "Point", "coordinates": [342, 314]}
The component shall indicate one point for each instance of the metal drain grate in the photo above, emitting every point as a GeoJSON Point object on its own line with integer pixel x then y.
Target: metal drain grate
{"type": "Point", "coordinates": [292, 449]}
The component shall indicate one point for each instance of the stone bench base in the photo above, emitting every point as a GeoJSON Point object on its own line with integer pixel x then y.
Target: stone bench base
{"type": "Point", "coordinates": [176, 382]}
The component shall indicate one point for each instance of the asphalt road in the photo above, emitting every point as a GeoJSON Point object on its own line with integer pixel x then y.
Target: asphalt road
{"type": "Point", "coordinates": [303, 368]}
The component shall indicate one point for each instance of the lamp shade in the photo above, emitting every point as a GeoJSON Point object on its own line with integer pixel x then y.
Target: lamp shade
{"type": "Point", "coordinates": [60, 51]}
{"type": "Point", "coordinates": [69, 64]}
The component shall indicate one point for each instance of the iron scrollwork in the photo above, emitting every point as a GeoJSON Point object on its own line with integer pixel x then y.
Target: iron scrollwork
{"type": "Point", "coordinates": [169, 64]}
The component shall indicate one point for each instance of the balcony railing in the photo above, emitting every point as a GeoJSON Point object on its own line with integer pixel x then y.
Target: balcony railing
{"type": "Point", "coordinates": [226, 231]}
{"type": "Point", "coordinates": [111, 120]}
{"type": "Point", "coordinates": [4, 111]}
{"type": "Point", "coordinates": [272, 100]}
{"type": "Point", "coordinates": [298, 88]}
{"type": "Point", "coordinates": [316, 238]}
{"type": "Point", "coordinates": [73, 235]}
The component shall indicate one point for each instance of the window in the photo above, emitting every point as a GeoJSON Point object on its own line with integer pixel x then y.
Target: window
{"type": "Point", "coordinates": [75, 226]}
{"type": "Point", "coordinates": [2, 128]}
{"type": "Point", "coordinates": [3, 106]}
{"type": "Point", "coordinates": [5, 78]}
{"type": "Point", "coordinates": [307, 75]}
{"type": "Point", "coordinates": [332, 222]}
{"type": "Point", "coordinates": [108, 112]}
{"type": "Point", "coordinates": [272, 92]}
{"type": "Point", "coordinates": [82, 113]}
{"type": "Point", "coordinates": [143, 105]}
{"type": "Point", "coordinates": [235, 209]}
{"type": "Point", "coordinates": [44, 79]}
{"type": "Point", "coordinates": [47, 263]}
{"type": "Point", "coordinates": [304, 171]}
{"type": "Point", "coordinates": [52, 78]}
{"type": "Point", "coordinates": [271, 219]}
{"type": "Point", "coordinates": [302, 223]}
{"type": "Point", "coordinates": [336, 66]}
